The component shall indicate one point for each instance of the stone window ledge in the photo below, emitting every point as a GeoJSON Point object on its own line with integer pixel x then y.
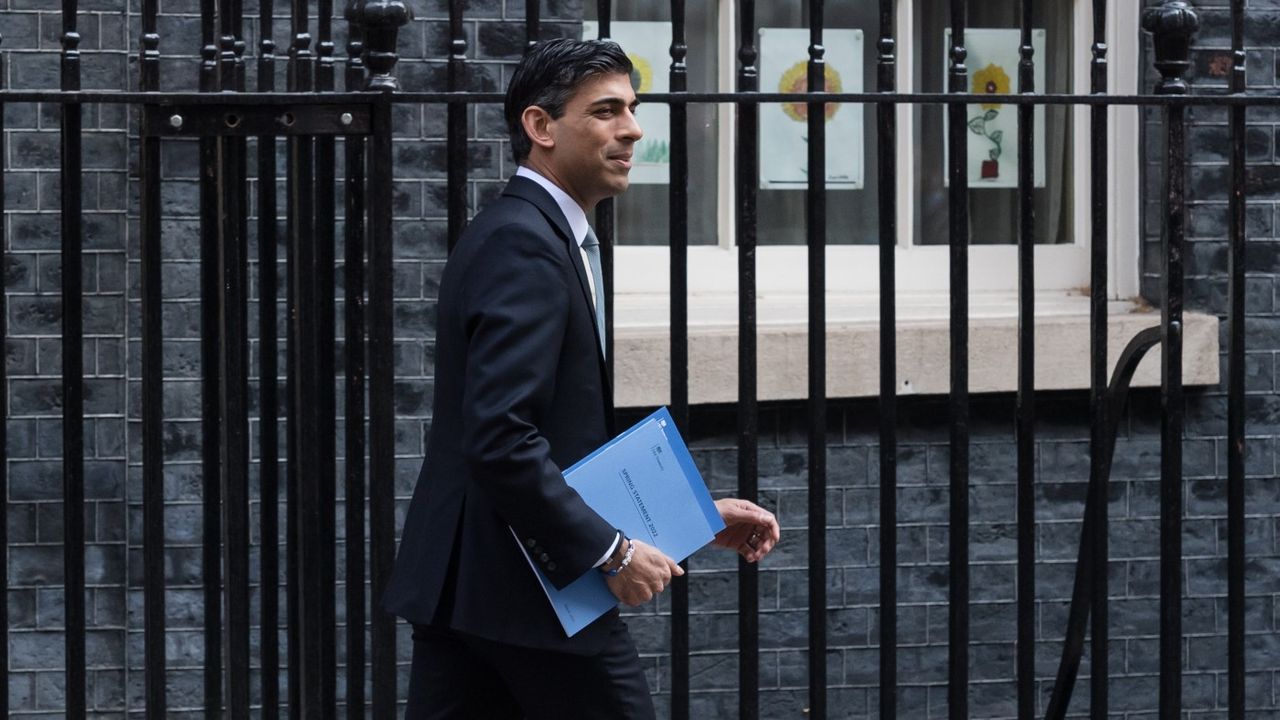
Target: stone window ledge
{"type": "Point", "coordinates": [642, 346]}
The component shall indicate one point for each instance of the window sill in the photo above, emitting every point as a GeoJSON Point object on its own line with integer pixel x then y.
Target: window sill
{"type": "Point", "coordinates": [642, 346]}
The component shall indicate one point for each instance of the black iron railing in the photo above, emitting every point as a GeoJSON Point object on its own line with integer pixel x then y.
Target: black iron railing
{"type": "Point", "coordinates": [311, 116]}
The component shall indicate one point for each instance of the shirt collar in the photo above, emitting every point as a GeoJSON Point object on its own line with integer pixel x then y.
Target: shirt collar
{"type": "Point", "coordinates": [572, 210]}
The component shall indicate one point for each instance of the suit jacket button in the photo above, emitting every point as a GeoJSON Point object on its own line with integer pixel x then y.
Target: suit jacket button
{"type": "Point", "coordinates": [530, 542]}
{"type": "Point", "coordinates": [551, 566]}
{"type": "Point", "coordinates": [544, 557]}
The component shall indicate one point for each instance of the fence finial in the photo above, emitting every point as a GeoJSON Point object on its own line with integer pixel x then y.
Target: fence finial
{"type": "Point", "coordinates": [354, 14]}
{"type": "Point", "coordinates": [1171, 24]}
{"type": "Point", "coordinates": [381, 20]}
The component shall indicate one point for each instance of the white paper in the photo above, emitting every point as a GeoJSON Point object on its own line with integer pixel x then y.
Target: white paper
{"type": "Point", "coordinates": [784, 128]}
{"type": "Point", "coordinates": [992, 60]}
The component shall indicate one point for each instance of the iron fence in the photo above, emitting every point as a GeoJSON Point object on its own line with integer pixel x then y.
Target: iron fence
{"type": "Point", "coordinates": [312, 116]}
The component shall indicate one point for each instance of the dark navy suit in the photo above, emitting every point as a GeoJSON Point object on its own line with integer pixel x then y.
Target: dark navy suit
{"type": "Point", "coordinates": [521, 392]}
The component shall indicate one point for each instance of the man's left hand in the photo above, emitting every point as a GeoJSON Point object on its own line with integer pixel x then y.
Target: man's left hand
{"type": "Point", "coordinates": [749, 529]}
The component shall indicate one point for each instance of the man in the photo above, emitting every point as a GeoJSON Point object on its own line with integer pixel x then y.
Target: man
{"type": "Point", "coordinates": [522, 392]}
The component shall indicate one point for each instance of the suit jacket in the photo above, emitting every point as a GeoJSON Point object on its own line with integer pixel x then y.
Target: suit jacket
{"type": "Point", "coordinates": [521, 392]}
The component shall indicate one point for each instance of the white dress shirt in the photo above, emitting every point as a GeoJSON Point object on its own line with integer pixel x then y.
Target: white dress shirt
{"type": "Point", "coordinates": [573, 212]}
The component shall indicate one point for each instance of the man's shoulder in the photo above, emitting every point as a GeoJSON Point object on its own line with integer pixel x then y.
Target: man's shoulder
{"type": "Point", "coordinates": [508, 209]}
{"type": "Point", "coordinates": [509, 215]}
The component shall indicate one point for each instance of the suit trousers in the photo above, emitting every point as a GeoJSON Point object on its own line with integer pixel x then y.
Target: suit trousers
{"type": "Point", "coordinates": [456, 676]}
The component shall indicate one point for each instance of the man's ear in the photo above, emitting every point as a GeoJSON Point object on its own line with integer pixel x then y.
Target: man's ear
{"type": "Point", "coordinates": [537, 125]}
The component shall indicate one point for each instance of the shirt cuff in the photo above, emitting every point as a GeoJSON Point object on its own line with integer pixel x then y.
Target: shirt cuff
{"type": "Point", "coordinates": [612, 546]}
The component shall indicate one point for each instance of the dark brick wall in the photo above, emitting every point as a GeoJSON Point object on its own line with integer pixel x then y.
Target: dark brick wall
{"type": "Point", "coordinates": [495, 37]}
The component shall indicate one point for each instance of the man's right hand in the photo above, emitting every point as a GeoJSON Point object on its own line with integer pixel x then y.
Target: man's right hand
{"type": "Point", "coordinates": [648, 574]}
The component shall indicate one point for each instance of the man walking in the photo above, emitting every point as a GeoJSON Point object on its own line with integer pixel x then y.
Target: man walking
{"type": "Point", "coordinates": [522, 392]}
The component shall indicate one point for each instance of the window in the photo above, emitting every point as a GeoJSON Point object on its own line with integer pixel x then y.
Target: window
{"type": "Point", "coordinates": [1063, 37]}
{"type": "Point", "coordinates": [1064, 30]}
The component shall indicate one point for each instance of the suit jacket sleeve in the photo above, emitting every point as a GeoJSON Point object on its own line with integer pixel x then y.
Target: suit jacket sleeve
{"type": "Point", "coordinates": [515, 300]}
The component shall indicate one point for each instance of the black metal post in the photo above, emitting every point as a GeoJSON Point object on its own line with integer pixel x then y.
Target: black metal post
{"type": "Point", "coordinates": [604, 15]}
{"type": "Point", "coordinates": [381, 21]}
{"type": "Point", "coordinates": [816, 225]}
{"type": "Point", "coordinates": [296, 66]}
{"type": "Point", "coordinates": [679, 229]}
{"type": "Point", "coordinates": [958, 211]}
{"type": "Point", "coordinates": [325, 401]}
{"type": "Point", "coordinates": [746, 182]}
{"type": "Point", "coordinates": [456, 148]}
{"type": "Point", "coordinates": [381, 413]}
{"type": "Point", "coordinates": [152, 384]}
{"type": "Point", "coordinates": [72, 370]}
{"type": "Point", "coordinates": [304, 381]}
{"type": "Point", "coordinates": [887, 138]}
{"type": "Point", "coordinates": [532, 23]}
{"type": "Point", "coordinates": [4, 424]}
{"type": "Point", "coordinates": [1236, 383]}
{"type": "Point", "coordinates": [1172, 24]}
{"type": "Point", "coordinates": [604, 224]}
{"type": "Point", "coordinates": [1025, 411]}
{"type": "Point", "coordinates": [268, 372]}
{"type": "Point", "coordinates": [210, 386]}
{"type": "Point", "coordinates": [354, 353]}
{"type": "Point", "coordinates": [1099, 674]}
{"type": "Point", "coordinates": [233, 385]}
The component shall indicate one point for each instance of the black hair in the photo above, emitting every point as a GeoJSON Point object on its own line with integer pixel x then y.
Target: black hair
{"type": "Point", "coordinates": [548, 76]}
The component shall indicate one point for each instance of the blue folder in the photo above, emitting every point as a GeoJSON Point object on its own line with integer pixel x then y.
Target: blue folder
{"type": "Point", "coordinates": [643, 482]}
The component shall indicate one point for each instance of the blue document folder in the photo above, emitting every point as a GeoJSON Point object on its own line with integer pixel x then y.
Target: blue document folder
{"type": "Point", "coordinates": [643, 482]}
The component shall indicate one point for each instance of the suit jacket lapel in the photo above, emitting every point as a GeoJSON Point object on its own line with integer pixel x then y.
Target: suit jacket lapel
{"type": "Point", "coordinates": [530, 191]}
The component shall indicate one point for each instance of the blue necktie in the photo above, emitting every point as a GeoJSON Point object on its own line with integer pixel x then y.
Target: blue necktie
{"type": "Point", "coordinates": [591, 246]}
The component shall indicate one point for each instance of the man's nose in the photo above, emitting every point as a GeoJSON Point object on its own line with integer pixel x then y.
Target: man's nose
{"type": "Point", "coordinates": [631, 128]}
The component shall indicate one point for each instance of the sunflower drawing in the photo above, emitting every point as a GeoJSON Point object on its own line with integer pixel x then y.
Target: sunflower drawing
{"type": "Point", "coordinates": [641, 73]}
{"type": "Point", "coordinates": [991, 80]}
{"type": "Point", "coordinates": [796, 80]}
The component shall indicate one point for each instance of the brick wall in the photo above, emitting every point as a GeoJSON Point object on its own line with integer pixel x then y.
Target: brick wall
{"type": "Point", "coordinates": [495, 37]}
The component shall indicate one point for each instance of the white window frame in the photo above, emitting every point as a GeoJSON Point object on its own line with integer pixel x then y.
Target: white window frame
{"type": "Point", "coordinates": [922, 271]}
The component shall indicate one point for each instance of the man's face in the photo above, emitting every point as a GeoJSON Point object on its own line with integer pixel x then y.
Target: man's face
{"type": "Point", "coordinates": [591, 157]}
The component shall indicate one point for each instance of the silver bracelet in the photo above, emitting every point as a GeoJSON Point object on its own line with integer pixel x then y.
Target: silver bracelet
{"type": "Point", "coordinates": [626, 558]}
